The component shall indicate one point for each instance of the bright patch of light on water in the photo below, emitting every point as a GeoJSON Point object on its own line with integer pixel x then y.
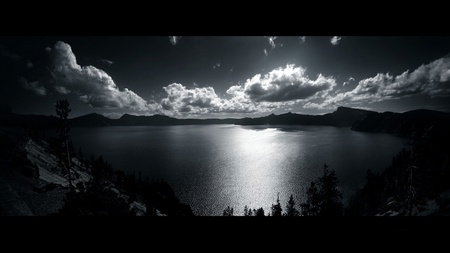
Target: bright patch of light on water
{"type": "Point", "coordinates": [213, 166]}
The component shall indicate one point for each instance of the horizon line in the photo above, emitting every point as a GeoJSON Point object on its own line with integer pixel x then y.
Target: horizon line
{"type": "Point", "coordinates": [213, 118]}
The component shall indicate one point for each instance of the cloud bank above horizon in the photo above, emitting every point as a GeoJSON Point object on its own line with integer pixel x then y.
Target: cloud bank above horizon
{"type": "Point", "coordinates": [281, 87]}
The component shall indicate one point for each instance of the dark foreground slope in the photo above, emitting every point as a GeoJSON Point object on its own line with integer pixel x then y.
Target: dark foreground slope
{"type": "Point", "coordinates": [418, 180]}
{"type": "Point", "coordinates": [33, 182]}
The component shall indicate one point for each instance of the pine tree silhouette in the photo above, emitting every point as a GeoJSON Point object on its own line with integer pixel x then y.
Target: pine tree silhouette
{"type": "Point", "coordinates": [63, 110]}
{"type": "Point", "coordinates": [228, 211]}
{"type": "Point", "coordinates": [330, 195]}
{"type": "Point", "coordinates": [276, 209]}
{"type": "Point", "coordinates": [323, 197]}
{"type": "Point", "coordinates": [311, 206]}
{"type": "Point", "coordinates": [290, 207]}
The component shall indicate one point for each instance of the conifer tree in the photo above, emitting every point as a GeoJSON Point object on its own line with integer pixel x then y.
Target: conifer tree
{"type": "Point", "coordinates": [228, 211]}
{"type": "Point", "coordinates": [63, 110]}
{"type": "Point", "coordinates": [276, 209]}
{"type": "Point", "coordinates": [290, 207]}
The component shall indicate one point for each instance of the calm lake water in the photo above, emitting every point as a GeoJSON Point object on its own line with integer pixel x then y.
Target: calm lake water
{"type": "Point", "coordinates": [213, 166]}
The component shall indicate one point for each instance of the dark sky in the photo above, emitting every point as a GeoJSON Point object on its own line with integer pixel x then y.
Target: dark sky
{"type": "Point", "coordinates": [242, 76]}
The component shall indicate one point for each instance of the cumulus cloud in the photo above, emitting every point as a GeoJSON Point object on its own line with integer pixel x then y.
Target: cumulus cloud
{"type": "Point", "coordinates": [312, 105]}
{"type": "Point", "coordinates": [62, 90]}
{"type": "Point", "coordinates": [96, 88]}
{"type": "Point", "coordinates": [93, 86]}
{"type": "Point", "coordinates": [302, 39]}
{"type": "Point", "coordinates": [273, 44]}
{"type": "Point", "coordinates": [284, 84]}
{"type": "Point", "coordinates": [112, 115]}
{"type": "Point", "coordinates": [335, 40]}
{"type": "Point", "coordinates": [204, 100]}
{"type": "Point", "coordinates": [196, 100]}
{"type": "Point", "coordinates": [174, 39]}
{"type": "Point", "coordinates": [432, 79]}
{"type": "Point", "coordinates": [240, 102]}
{"type": "Point", "coordinates": [33, 86]}
{"type": "Point", "coordinates": [350, 79]}
{"type": "Point", "coordinates": [272, 41]}
{"type": "Point", "coordinates": [265, 52]}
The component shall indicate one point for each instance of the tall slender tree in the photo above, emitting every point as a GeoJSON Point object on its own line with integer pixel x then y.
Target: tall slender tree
{"type": "Point", "coordinates": [246, 210]}
{"type": "Point", "coordinates": [276, 209]}
{"type": "Point", "coordinates": [411, 200]}
{"type": "Point", "coordinates": [63, 110]}
{"type": "Point", "coordinates": [290, 207]}
{"type": "Point", "coordinates": [323, 197]}
{"type": "Point", "coordinates": [331, 197]}
{"type": "Point", "coordinates": [311, 206]}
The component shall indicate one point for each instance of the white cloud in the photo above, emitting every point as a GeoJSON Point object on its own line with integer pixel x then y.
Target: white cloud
{"type": "Point", "coordinates": [196, 100]}
{"type": "Point", "coordinates": [335, 40]}
{"type": "Point", "coordinates": [302, 39]}
{"type": "Point", "coordinates": [284, 84]}
{"type": "Point", "coordinates": [181, 100]}
{"type": "Point", "coordinates": [96, 88]}
{"type": "Point", "coordinates": [273, 44]}
{"type": "Point", "coordinates": [33, 86]}
{"type": "Point", "coordinates": [62, 90]}
{"type": "Point", "coordinates": [271, 40]}
{"type": "Point", "coordinates": [350, 79]}
{"type": "Point", "coordinates": [217, 65]}
{"type": "Point", "coordinates": [313, 105]}
{"type": "Point", "coordinates": [93, 86]}
{"type": "Point", "coordinates": [432, 79]}
{"type": "Point", "coordinates": [174, 39]}
{"type": "Point", "coordinates": [265, 52]}
{"type": "Point", "coordinates": [112, 115]}
{"type": "Point", "coordinates": [240, 102]}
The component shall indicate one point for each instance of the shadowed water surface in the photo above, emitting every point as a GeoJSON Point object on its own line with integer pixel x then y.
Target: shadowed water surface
{"type": "Point", "coordinates": [213, 166]}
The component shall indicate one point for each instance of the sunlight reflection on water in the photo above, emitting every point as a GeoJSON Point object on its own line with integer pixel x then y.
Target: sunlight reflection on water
{"type": "Point", "coordinates": [213, 166]}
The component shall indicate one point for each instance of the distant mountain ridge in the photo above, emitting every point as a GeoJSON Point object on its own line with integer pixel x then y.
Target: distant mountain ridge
{"type": "Point", "coordinates": [359, 120]}
{"type": "Point", "coordinates": [342, 117]}
{"type": "Point", "coordinates": [402, 124]}
{"type": "Point", "coordinates": [91, 120]}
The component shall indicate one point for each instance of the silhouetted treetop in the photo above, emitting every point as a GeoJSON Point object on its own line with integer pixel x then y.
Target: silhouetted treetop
{"type": "Point", "coordinates": [323, 197]}
{"type": "Point", "coordinates": [276, 209]}
{"type": "Point", "coordinates": [228, 211]}
{"type": "Point", "coordinates": [290, 208]}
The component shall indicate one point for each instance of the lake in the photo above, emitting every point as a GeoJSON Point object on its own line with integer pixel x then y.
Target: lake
{"type": "Point", "coordinates": [213, 166]}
